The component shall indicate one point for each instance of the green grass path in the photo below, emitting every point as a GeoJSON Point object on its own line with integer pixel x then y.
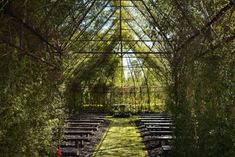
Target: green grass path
{"type": "Point", "coordinates": [121, 140]}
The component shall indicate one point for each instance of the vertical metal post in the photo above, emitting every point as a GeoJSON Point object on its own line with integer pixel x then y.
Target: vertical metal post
{"type": "Point", "coordinates": [121, 48]}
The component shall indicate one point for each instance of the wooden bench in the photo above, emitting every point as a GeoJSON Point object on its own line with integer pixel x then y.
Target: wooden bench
{"type": "Point", "coordinates": [85, 120]}
{"type": "Point", "coordinates": [78, 132]}
{"type": "Point", "coordinates": [160, 118]}
{"type": "Point", "coordinates": [78, 140]}
{"type": "Point", "coordinates": [155, 116]}
{"type": "Point", "coordinates": [99, 118]}
{"type": "Point", "coordinates": [166, 148]}
{"type": "Point", "coordinates": [70, 151]}
{"type": "Point", "coordinates": [157, 124]}
{"type": "Point", "coordinates": [142, 127]}
{"type": "Point", "coordinates": [91, 117]}
{"type": "Point", "coordinates": [156, 121]}
{"type": "Point", "coordinates": [163, 149]}
{"type": "Point", "coordinates": [157, 133]}
{"type": "Point", "coordinates": [152, 128]}
{"type": "Point", "coordinates": [82, 128]}
{"type": "Point", "coordinates": [83, 124]}
{"type": "Point", "coordinates": [159, 138]}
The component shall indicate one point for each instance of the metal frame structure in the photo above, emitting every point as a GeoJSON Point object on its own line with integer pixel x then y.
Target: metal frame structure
{"type": "Point", "coordinates": [83, 13]}
{"type": "Point", "coordinates": [107, 23]}
{"type": "Point", "coordinates": [130, 22]}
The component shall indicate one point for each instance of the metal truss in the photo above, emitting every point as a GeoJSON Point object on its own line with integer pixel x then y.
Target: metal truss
{"type": "Point", "coordinates": [105, 33]}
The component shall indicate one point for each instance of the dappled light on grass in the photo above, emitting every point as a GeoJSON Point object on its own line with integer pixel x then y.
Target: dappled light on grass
{"type": "Point", "coordinates": [122, 140]}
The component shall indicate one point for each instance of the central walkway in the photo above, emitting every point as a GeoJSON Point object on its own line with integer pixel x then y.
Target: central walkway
{"type": "Point", "coordinates": [122, 140]}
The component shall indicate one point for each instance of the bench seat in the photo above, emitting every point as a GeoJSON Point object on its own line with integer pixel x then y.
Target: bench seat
{"type": "Point", "coordinates": [157, 124]}
{"type": "Point", "coordinates": [159, 138]}
{"type": "Point", "coordinates": [82, 128]}
{"type": "Point", "coordinates": [83, 124]}
{"type": "Point", "coordinates": [75, 132]}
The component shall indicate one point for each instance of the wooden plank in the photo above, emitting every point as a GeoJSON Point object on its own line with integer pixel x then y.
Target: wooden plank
{"type": "Point", "coordinates": [83, 124]}
{"type": "Point", "coordinates": [166, 116]}
{"type": "Point", "coordinates": [76, 138]}
{"type": "Point", "coordinates": [84, 121]}
{"type": "Point", "coordinates": [159, 118]}
{"type": "Point", "coordinates": [159, 132]}
{"type": "Point", "coordinates": [75, 132]}
{"type": "Point", "coordinates": [166, 148]}
{"type": "Point", "coordinates": [79, 141]}
{"type": "Point", "coordinates": [158, 124]}
{"type": "Point", "coordinates": [69, 151]}
{"type": "Point", "coordinates": [160, 128]}
{"type": "Point", "coordinates": [82, 128]}
{"type": "Point", "coordinates": [64, 144]}
{"type": "Point", "coordinates": [156, 121]}
{"type": "Point", "coordinates": [153, 115]}
{"type": "Point", "coordinates": [159, 138]}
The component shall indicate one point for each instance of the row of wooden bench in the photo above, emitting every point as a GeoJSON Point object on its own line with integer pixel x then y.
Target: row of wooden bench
{"type": "Point", "coordinates": [157, 133]}
{"type": "Point", "coordinates": [78, 133]}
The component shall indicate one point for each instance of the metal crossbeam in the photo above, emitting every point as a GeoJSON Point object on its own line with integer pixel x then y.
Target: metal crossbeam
{"type": "Point", "coordinates": [143, 37]}
{"type": "Point", "coordinates": [122, 52]}
{"type": "Point", "coordinates": [105, 40]}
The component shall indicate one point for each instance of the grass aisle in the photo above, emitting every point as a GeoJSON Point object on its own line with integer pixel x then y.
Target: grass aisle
{"type": "Point", "coordinates": [122, 140]}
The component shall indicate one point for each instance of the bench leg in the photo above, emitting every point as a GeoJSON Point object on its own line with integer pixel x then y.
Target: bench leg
{"type": "Point", "coordinates": [76, 144]}
{"type": "Point", "coordinates": [81, 145]}
{"type": "Point", "coordinates": [78, 152]}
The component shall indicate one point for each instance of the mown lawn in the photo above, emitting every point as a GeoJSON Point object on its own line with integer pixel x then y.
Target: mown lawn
{"type": "Point", "coordinates": [121, 140]}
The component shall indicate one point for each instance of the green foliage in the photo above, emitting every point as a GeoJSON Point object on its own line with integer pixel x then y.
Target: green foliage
{"type": "Point", "coordinates": [31, 104]}
{"type": "Point", "coordinates": [41, 76]}
{"type": "Point", "coordinates": [30, 107]}
{"type": "Point", "coordinates": [201, 96]}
